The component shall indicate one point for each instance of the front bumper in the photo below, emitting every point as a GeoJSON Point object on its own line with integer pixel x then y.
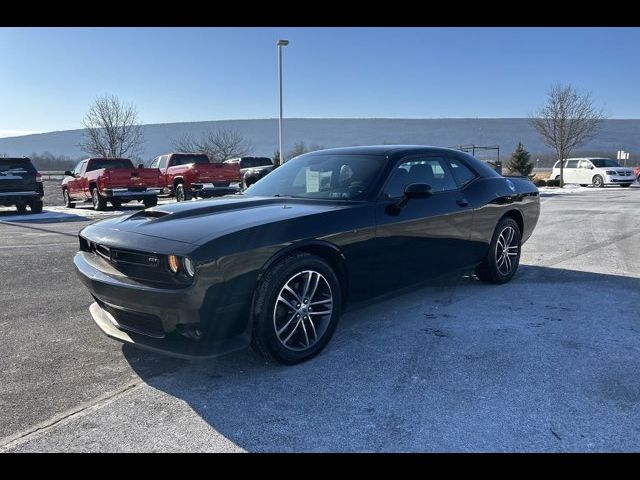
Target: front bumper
{"type": "Point", "coordinates": [165, 320]}
{"type": "Point", "coordinates": [615, 180]}
{"type": "Point", "coordinates": [126, 195]}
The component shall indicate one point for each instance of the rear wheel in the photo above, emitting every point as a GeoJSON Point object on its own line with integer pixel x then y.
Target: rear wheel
{"type": "Point", "coordinates": [21, 207]}
{"type": "Point", "coordinates": [584, 184]}
{"type": "Point", "coordinates": [182, 194]}
{"type": "Point", "coordinates": [99, 203]}
{"type": "Point", "coordinates": [597, 181]}
{"type": "Point", "coordinates": [503, 258]}
{"type": "Point", "coordinates": [625, 185]}
{"type": "Point", "coordinates": [36, 206]}
{"type": "Point", "coordinates": [116, 203]}
{"type": "Point", "coordinates": [296, 310]}
{"type": "Point", "coordinates": [150, 202]}
{"type": "Point", "coordinates": [67, 200]}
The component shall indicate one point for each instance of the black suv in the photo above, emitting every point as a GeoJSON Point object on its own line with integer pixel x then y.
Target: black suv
{"type": "Point", "coordinates": [252, 169]}
{"type": "Point", "coordinates": [20, 185]}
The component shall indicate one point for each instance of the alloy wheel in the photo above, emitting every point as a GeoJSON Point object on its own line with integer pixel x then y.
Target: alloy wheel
{"type": "Point", "coordinates": [303, 310]}
{"type": "Point", "coordinates": [506, 251]}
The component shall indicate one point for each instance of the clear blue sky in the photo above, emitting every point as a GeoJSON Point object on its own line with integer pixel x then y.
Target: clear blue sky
{"type": "Point", "coordinates": [49, 76]}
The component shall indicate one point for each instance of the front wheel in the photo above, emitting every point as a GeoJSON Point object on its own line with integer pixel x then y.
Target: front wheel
{"type": "Point", "coordinates": [21, 207]}
{"type": "Point", "coordinates": [501, 263]}
{"type": "Point", "coordinates": [625, 185]}
{"type": "Point", "coordinates": [99, 203]}
{"type": "Point", "coordinates": [598, 182]}
{"type": "Point", "coordinates": [116, 203]}
{"type": "Point", "coordinates": [67, 200]}
{"type": "Point", "coordinates": [296, 309]}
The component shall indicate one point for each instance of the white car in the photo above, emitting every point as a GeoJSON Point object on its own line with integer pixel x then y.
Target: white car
{"type": "Point", "coordinates": [594, 171]}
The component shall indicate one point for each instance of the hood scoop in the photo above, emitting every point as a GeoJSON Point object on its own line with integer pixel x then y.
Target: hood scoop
{"type": "Point", "coordinates": [148, 214]}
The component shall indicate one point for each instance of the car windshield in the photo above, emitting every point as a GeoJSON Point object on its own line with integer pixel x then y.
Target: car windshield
{"type": "Point", "coordinates": [604, 162]}
{"type": "Point", "coordinates": [321, 176]}
{"type": "Point", "coordinates": [98, 163]}
{"type": "Point", "coordinates": [187, 159]}
{"type": "Point", "coordinates": [256, 162]}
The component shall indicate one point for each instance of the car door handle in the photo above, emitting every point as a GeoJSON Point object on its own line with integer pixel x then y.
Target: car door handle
{"type": "Point", "coordinates": [462, 202]}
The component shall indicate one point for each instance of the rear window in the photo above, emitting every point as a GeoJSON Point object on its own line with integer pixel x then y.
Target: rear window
{"type": "Point", "coordinates": [255, 162]}
{"type": "Point", "coordinates": [97, 164]}
{"type": "Point", "coordinates": [187, 159]}
{"type": "Point", "coordinates": [16, 165]}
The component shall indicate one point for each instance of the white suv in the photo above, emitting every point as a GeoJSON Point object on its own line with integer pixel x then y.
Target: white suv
{"type": "Point", "coordinates": [595, 171]}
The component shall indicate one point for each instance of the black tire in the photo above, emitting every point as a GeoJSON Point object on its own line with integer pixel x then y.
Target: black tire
{"type": "Point", "coordinates": [21, 207]}
{"type": "Point", "coordinates": [597, 181]}
{"type": "Point", "coordinates": [36, 206]}
{"type": "Point", "coordinates": [625, 185]}
{"type": "Point", "coordinates": [150, 202]}
{"type": "Point", "coordinates": [99, 203]}
{"type": "Point", "coordinates": [182, 193]}
{"type": "Point", "coordinates": [558, 177]}
{"type": "Point", "coordinates": [264, 336]}
{"type": "Point", "coordinates": [249, 180]}
{"type": "Point", "coordinates": [489, 270]}
{"type": "Point", "coordinates": [584, 184]}
{"type": "Point", "coordinates": [67, 200]}
{"type": "Point", "coordinates": [116, 203]}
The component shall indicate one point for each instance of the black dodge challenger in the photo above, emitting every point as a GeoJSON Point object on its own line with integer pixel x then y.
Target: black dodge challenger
{"type": "Point", "coordinates": [275, 267]}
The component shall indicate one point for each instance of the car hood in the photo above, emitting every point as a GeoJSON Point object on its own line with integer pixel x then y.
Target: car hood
{"type": "Point", "coordinates": [200, 221]}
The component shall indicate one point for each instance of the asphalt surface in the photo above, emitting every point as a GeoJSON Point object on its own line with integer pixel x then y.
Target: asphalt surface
{"type": "Point", "coordinates": [548, 362]}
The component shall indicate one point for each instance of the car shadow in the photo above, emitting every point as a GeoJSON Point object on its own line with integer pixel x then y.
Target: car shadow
{"type": "Point", "coordinates": [457, 366]}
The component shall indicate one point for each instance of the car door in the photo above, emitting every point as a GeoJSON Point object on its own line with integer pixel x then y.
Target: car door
{"type": "Point", "coordinates": [73, 185]}
{"type": "Point", "coordinates": [83, 182]}
{"type": "Point", "coordinates": [584, 172]}
{"type": "Point", "coordinates": [426, 237]}
{"type": "Point", "coordinates": [571, 172]}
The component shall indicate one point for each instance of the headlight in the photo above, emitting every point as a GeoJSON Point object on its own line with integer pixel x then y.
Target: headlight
{"type": "Point", "coordinates": [610, 172]}
{"type": "Point", "coordinates": [174, 263]}
{"type": "Point", "coordinates": [189, 267]}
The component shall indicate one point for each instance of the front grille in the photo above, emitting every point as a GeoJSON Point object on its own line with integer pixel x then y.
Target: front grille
{"type": "Point", "coordinates": [623, 174]}
{"type": "Point", "coordinates": [120, 256]}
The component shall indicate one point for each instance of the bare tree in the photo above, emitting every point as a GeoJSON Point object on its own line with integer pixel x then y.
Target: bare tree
{"type": "Point", "coordinates": [568, 120]}
{"type": "Point", "coordinates": [219, 145]}
{"type": "Point", "coordinates": [112, 129]}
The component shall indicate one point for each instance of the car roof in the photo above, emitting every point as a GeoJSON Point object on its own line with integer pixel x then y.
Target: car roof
{"type": "Point", "coordinates": [384, 150]}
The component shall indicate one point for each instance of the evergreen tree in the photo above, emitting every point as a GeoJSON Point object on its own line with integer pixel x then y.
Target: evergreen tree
{"type": "Point", "coordinates": [520, 161]}
{"type": "Point", "coordinates": [275, 158]}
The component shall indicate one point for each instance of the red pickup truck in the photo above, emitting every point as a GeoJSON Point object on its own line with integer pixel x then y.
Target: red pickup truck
{"type": "Point", "coordinates": [186, 175]}
{"type": "Point", "coordinates": [638, 174]}
{"type": "Point", "coordinates": [113, 180]}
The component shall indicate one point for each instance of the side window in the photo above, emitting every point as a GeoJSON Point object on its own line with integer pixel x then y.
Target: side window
{"type": "Point", "coordinates": [461, 173]}
{"type": "Point", "coordinates": [430, 170]}
{"type": "Point", "coordinates": [76, 169]}
{"type": "Point", "coordinates": [80, 168]}
{"type": "Point", "coordinates": [164, 159]}
{"type": "Point", "coordinates": [584, 164]}
{"type": "Point", "coordinates": [572, 164]}
{"type": "Point", "coordinates": [155, 163]}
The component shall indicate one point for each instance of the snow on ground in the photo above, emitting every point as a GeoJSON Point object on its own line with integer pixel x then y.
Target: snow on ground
{"type": "Point", "coordinates": [572, 188]}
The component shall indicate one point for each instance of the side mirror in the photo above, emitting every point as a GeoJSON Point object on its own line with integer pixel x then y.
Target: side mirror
{"type": "Point", "coordinates": [413, 190]}
{"type": "Point", "coordinates": [417, 190]}
{"type": "Point", "coordinates": [67, 173]}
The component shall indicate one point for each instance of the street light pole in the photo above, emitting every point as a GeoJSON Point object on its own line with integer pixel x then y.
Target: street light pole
{"type": "Point", "coordinates": [281, 43]}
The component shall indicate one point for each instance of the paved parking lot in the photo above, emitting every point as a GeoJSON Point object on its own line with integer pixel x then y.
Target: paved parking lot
{"type": "Point", "coordinates": [548, 362]}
